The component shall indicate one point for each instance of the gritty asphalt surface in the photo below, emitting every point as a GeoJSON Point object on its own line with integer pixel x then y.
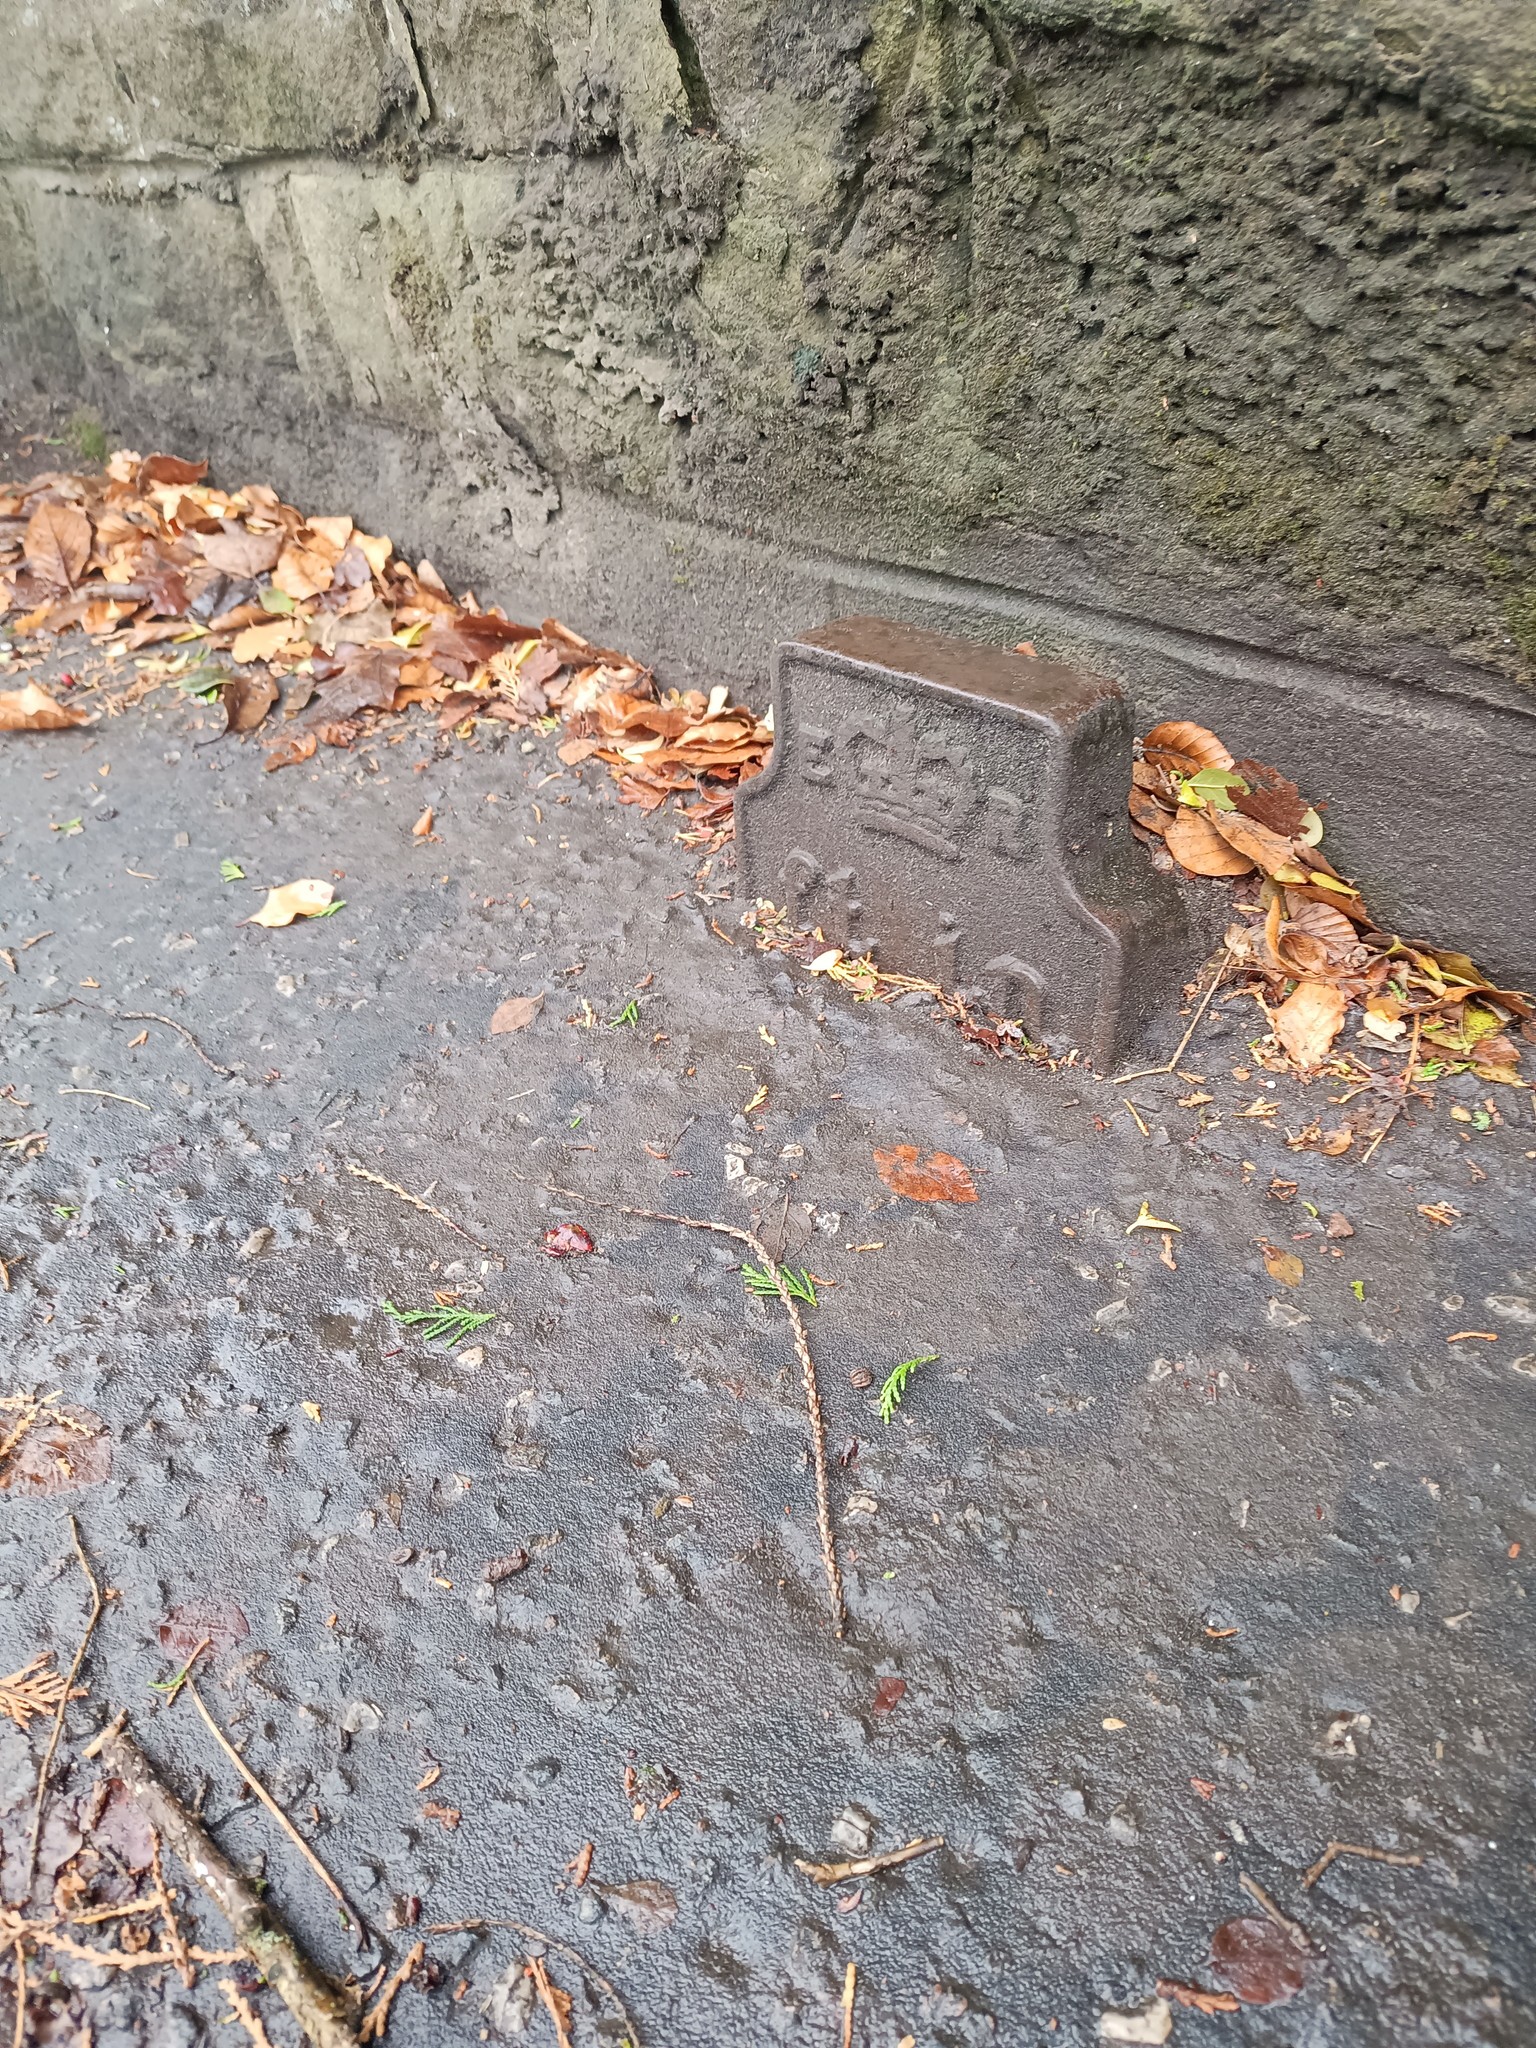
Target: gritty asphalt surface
{"type": "Point", "coordinates": [1130, 1543]}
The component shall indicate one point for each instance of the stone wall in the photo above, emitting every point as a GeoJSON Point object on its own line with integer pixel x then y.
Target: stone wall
{"type": "Point", "coordinates": [1194, 339]}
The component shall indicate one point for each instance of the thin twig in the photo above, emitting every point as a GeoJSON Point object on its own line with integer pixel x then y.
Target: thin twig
{"type": "Point", "coordinates": [1142, 1073]}
{"type": "Point", "coordinates": [807, 1370]}
{"type": "Point", "coordinates": [110, 1095]}
{"type": "Point", "coordinates": [325, 2015]}
{"type": "Point", "coordinates": [415, 1201]}
{"type": "Point", "coordinates": [1357, 1849]}
{"type": "Point", "coordinates": [97, 1603]}
{"type": "Point", "coordinates": [175, 1940]}
{"type": "Point", "coordinates": [275, 1810]}
{"type": "Point", "coordinates": [18, 2038]}
{"type": "Point", "coordinates": [245, 2013]}
{"type": "Point", "coordinates": [154, 1017]}
{"type": "Point", "coordinates": [850, 1992]}
{"type": "Point", "coordinates": [1291, 1927]}
{"type": "Point", "coordinates": [174, 1685]}
{"type": "Point", "coordinates": [376, 2019]}
{"type": "Point", "coordinates": [538, 1970]}
{"type": "Point", "coordinates": [631, 2031]}
{"type": "Point", "coordinates": [1404, 1086]}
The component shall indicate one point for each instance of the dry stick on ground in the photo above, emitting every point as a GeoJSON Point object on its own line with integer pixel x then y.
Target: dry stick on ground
{"type": "Point", "coordinates": [154, 1017]}
{"type": "Point", "coordinates": [1407, 1083]}
{"type": "Point", "coordinates": [319, 2007]}
{"type": "Point", "coordinates": [1293, 1928]}
{"type": "Point", "coordinates": [97, 1603]}
{"type": "Point", "coordinates": [1357, 1849]}
{"type": "Point", "coordinates": [376, 2019]}
{"type": "Point", "coordinates": [1142, 1073]}
{"type": "Point", "coordinates": [866, 1866]}
{"type": "Point", "coordinates": [850, 1992]}
{"type": "Point", "coordinates": [538, 1970]}
{"type": "Point", "coordinates": [631, 2038]}
{"type": "Point", "coordinates": [244, 2013]}
{"type": "Point", "coordinates": [807, 1369]}
{"type": "Point", "coordinates": [276, 1811]}
{"type": "Point", "coordinates": [20, 2034]}
{"type": "Point", "coordinates": [175, 1940]}
{"type": "Point", "coordinates": [415, 1201]}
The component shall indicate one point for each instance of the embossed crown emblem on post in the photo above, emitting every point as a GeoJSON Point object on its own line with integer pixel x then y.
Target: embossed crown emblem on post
{"type": "Point", "coordinates": [916, 786]}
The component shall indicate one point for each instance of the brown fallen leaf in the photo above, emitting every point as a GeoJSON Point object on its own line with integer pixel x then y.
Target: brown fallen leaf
{"type": "Point", "coordinates": [33, 710]}
{"type": "Point", "coordinates": [247, 700]}
{"type": "Point", "coordinates": [1282, 1266]}
{"type": "Point", "coordinates": [57, 544]}
{"type": "Point", "coordinates": [889, 1694]}
{"type": "Point", "coordinates": [938, 1178]}
{"type": "Point", "coordinates": [648, 1903]}
{"type": "Point", "coordinates": [1270, 798]}
{"type": "Point", "coordinates": [1334, 1144]}
{"type": "Point", "coordinates": [1208, 2002]}
{"type": "Point", "coordinates": [1338, 1226]}
{"type": "Point", "coordinates": [220, 1624]}
{"type": "Point", "coordinates": [1309, 1020]}
{"type": "Point", "coordinates": [241, 555]}
{"type": "Point", "coordinates": [1258, 1960]}
{"type": "Point", "coordinates": [1196, 844]}
{"type": "Point", "coordinates": [260, 643]}
{"type": "Point", "coordinates": [65, 1448]}
{"type": "Point", "coordinates": [422, 829]}
{"type": "Point", "coordinates": [288, 752]}
{"type": "Point", "coordinates": [515, 1014]}
{"type": "Point", "coordinates": [169, 469]}
{"type": "Point", "coordinates": [1147, 810]}
{"type": "Point", "coordinates": [579, 1869]}
{"type": "Point", "coordinates": [866, 1866]}
{"type": "Point", "coordinates": [1267, 850]}
{"type": "Point", "coordinates": [306, 898]}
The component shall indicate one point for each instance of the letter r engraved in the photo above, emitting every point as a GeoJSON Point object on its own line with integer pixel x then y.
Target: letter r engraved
{"type": "Point", "coordinates": [1002, 825]}
{"type": "Point", "coordinates": [800, 874]}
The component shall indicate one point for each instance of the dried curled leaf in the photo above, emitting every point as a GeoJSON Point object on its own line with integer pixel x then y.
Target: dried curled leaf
{"type": "Point", "coordinates": [33, 710]}
{"type": "Point", "coordinates": [515, 1014]}
{"type": "Point", "coordinates": [306, 898]}
{"type": "Point", "coordinates": [1258, 1960]}
{"type": "Point", "coordinates": [1270, 799]}
{"type": "Point", "coordinates": [1181, 744]}
{"type": "Point", "coordinates": [1147, 810]}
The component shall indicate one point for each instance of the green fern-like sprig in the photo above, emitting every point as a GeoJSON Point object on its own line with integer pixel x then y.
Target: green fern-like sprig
{"type": "Point", "coordinates": [896, 1386]}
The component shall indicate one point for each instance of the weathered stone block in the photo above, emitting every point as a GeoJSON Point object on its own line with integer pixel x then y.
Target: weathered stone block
{"type": "Point", "coordinates": [960, 811]}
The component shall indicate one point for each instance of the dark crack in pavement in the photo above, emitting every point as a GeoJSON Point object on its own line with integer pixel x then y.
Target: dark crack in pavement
{"type": "Point", "coordinates": [1184, 1572]}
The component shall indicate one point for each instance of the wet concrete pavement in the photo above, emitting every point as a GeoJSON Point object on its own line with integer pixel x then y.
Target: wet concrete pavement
{"type": "Point", "coordinates": [1185, 1572]}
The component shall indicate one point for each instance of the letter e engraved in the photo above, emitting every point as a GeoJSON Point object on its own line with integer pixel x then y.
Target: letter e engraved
{"type": "Point", "coordinates": [800, 874]}
{"type": "Point", "coordinates": [845, 913]}
{"type": "Point", "coordinates": [1002, 824]}
{"type": "Point", "coordinates": [906, 784]}
{"type": "Point", "coordinates": [1018, 991]}
{"type": "Point", "coordinates": [815, 753]}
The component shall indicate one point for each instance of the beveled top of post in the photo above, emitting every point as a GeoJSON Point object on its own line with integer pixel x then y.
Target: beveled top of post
{"type": "Point", "coordinates": [1047, 691]}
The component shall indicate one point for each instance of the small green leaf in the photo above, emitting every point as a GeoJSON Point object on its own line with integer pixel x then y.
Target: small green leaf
{"type": "Point", "coordinates": [630, 1014]}
{"type": "Point", "coordinates": [63, 1209]}
{"type": "Point", "coordinates": [1212, 786]}
{"type": "Point", "coordinates": [231, 871]}
{"type": "Point", "coordinates": [272, 600]}
{"type": "Point", "coordinates": [1357, 1289]}
{"type": "Point", "coordinates": [896, 1386]}
{"type": "Point", "coordinates": [70, 828]}
{"type": "Point", "coordinates": [453, 1323]}
{"type": "Point", "coordinates": [336, 903]}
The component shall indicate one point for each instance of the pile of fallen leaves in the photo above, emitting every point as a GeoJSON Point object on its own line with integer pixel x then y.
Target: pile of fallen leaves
{"type": "Point", "coordinates": [1308, 940]}
{"type": "Point", "coordinates": [241, 593]}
